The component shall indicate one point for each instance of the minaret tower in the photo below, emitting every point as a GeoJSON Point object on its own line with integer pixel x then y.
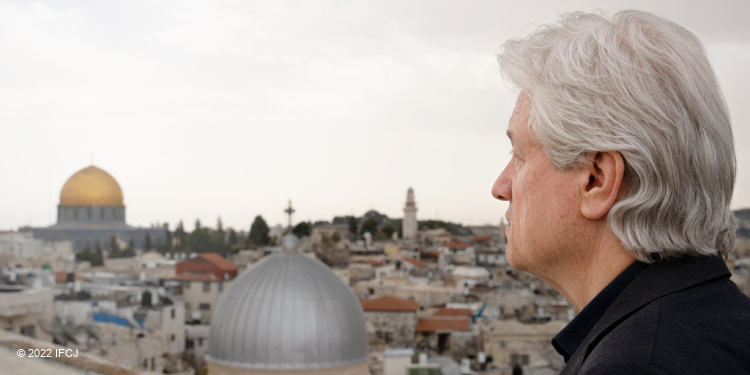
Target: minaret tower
{"type": "Point", "coordinates": [409, 224]}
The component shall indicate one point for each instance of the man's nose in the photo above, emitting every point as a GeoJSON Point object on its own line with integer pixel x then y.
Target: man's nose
{"type": "Point", "coordinates": [502, 188]}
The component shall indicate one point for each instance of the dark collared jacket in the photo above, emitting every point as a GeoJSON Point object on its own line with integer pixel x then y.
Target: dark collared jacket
{"type": "Point", "coordinates": [679, 316]}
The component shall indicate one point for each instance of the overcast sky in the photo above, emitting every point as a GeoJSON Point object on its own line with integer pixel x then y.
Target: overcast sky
{"type": "Point", "coordinates": [203, 109]}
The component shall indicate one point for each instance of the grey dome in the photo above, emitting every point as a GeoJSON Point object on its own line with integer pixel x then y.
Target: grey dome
{"type": "Point", "coordinates": [289, 311]}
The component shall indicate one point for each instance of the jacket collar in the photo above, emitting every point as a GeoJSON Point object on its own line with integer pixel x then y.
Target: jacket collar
{"type": "Point", "coordinates": [660, 279]}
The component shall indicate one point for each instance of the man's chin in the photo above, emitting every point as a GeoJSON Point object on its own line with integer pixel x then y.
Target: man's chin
{"type": "Point", "coordinates": [513, 259]}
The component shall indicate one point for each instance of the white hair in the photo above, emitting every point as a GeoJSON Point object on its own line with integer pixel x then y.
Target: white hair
{"type": "Point", "coordinates": [643, 86]}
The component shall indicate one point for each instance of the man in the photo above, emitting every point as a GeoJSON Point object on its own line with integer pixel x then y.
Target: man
{"type": "Point", "coordinates": [619, 190]}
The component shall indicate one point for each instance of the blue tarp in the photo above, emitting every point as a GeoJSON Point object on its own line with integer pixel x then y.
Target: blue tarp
{"type": "Point", "coordinates": [114, 319]}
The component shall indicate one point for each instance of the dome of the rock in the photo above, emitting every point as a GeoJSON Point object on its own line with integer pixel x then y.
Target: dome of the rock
{"type": "Point", "coordinates": [91, 186]}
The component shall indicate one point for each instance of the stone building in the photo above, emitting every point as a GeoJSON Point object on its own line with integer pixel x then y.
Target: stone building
{"type": "Point", "coordinates": [393, 319]}
{"type": "Point", "coordinates": [426, 294]}
{"type": "Point", "coordinates": [327, 231]}
{"type": "Point", "coordinates": [26, 311]}
{"type": "Point", "coordinates": [92, 210]}
{"type": "Point", "coordinates": [511, 342]}
{"type": "Point", "coordinates": [204, 278]}
{"type": "Point", "coordinates": [437, 331]}
{"type": "Point", "coordinates": [22, 249]}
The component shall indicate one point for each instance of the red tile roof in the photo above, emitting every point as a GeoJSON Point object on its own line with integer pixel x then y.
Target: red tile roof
{"type": "Point", "coordinates": [218, 261]}
{"type": "Point", "coordinates": [443, 324]}
{"type": "Point", "coordinates": [389, 303]}
{"type": "Point", "coordinates": [454, 312]}
{"type": "Point", "coordinates": [206, 276]}
{"type": "Point", "coordinates": [457, 245]}
{"type": "Point", "coordinates": [373, 262]}
{"type": "Point", "coordinates": [61, 276]}
{"type": "Point", "coordinates": [416, 263]}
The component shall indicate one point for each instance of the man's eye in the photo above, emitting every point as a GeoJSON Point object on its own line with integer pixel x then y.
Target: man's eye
{"type": "Point", "coordinates": [517, 161]}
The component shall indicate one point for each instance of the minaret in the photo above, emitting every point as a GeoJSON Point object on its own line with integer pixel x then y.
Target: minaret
{"type": "Point", "coordinates": [409, 224]}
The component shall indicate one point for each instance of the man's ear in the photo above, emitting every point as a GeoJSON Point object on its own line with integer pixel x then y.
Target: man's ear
{"type": "Point", "coordinates": [605, 173]}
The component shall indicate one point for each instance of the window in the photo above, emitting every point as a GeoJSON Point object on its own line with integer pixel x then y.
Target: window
{"type": "Point", "coordinates": [205, 306]}
{"type": "Point", "coordinates": [145, 363]}
{"type": "Point", "coordinates": [187, 306]}
{"type": "Point", "coordinates": [206, 286]}
{"type": "Point", "coordinates": [29, 331]}
{"type": "Point", "coordinates": [187, 284]}
{"type": "Point", "coordinates": [172, 338]}
{"type": "Point", "coordinates": [519, 359]}
{"type": "Point", "coordinates": [200, 342]}
{"type": "Point", "coordinates": [153, 363]}
{"type": "Point", "coordinates": [386, 336]}
{"type": "Point", "coordinates": [189, 344]}
{"type": "Point", "coordinates": [221, 286]}
{"type": "Point", "coordinates": [173, 314]}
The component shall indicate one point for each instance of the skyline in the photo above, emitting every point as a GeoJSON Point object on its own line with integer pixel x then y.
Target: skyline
{"type": "Point", "coordinates": [205, 109]}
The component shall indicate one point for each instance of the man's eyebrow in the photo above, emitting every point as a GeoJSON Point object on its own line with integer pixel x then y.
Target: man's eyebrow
{"type": "Point", "coordinates": [510, 134]}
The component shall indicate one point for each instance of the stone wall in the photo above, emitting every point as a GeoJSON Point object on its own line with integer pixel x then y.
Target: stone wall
{"type": "Point", "coordinates": [397, 328]}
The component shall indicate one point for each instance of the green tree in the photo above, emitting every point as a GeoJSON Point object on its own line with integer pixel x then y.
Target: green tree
{"type": "Point", "coordinates": [233, 240]}
{"type": "Point", "coordinates": [370, 225]}
{"type": "Point", "coordinates": [352, 225]}
{"type": "Point", "coordinates": [200, 241]}
{"type": "Point", "coordinates": [197, 224]}
{"type": "Point", "coordinates": [98, 258]}
{"type": "Point", "coordinates": [129, 251]}
{"type": "Point", "coordinates": [89, 255]}
{"type": "Point", "coordinates": [259, 232]}
{"type": "Point", "coordinates": [179, 232]}
{"type": "Point", "coordinates": [335, 237]}
{"type": "Point", "coordinates": [303, 228]}
{"type": "Point", "coordinates": [114, 248]}
{"type": "Point", "coordinates": [165, 246]}
{"type": "Point", "coordinates": [115, 252]}
{"type": "Point", "coordinates": [388, 230]}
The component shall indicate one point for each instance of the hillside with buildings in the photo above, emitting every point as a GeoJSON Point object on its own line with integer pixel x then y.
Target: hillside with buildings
{"type": "Point", "coordinates": [354, 295]}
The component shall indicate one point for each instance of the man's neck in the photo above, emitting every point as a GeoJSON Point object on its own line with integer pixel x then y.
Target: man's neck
{"type": "Point", "coordinates": [593, 271]}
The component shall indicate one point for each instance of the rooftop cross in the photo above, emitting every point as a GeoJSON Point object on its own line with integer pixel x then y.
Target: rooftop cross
{"type": "Point", "coordinates": [289, 211]}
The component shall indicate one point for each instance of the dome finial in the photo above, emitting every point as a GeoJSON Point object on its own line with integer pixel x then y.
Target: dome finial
{"type": "Point", "coordinates": [289, 242]}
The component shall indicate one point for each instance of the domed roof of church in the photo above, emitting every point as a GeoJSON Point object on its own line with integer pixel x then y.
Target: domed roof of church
{"type": "Point", "coordinates": [91, 186]}
{"type": "Point", "coordinates": [288, 312]}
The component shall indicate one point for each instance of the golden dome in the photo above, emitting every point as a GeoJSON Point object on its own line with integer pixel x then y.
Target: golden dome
{"type": "Point", "coordinates": [91, 187]}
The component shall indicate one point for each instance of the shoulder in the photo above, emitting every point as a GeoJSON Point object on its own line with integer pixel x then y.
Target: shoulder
{"type": "Point", "coordinates": [698, 329]}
